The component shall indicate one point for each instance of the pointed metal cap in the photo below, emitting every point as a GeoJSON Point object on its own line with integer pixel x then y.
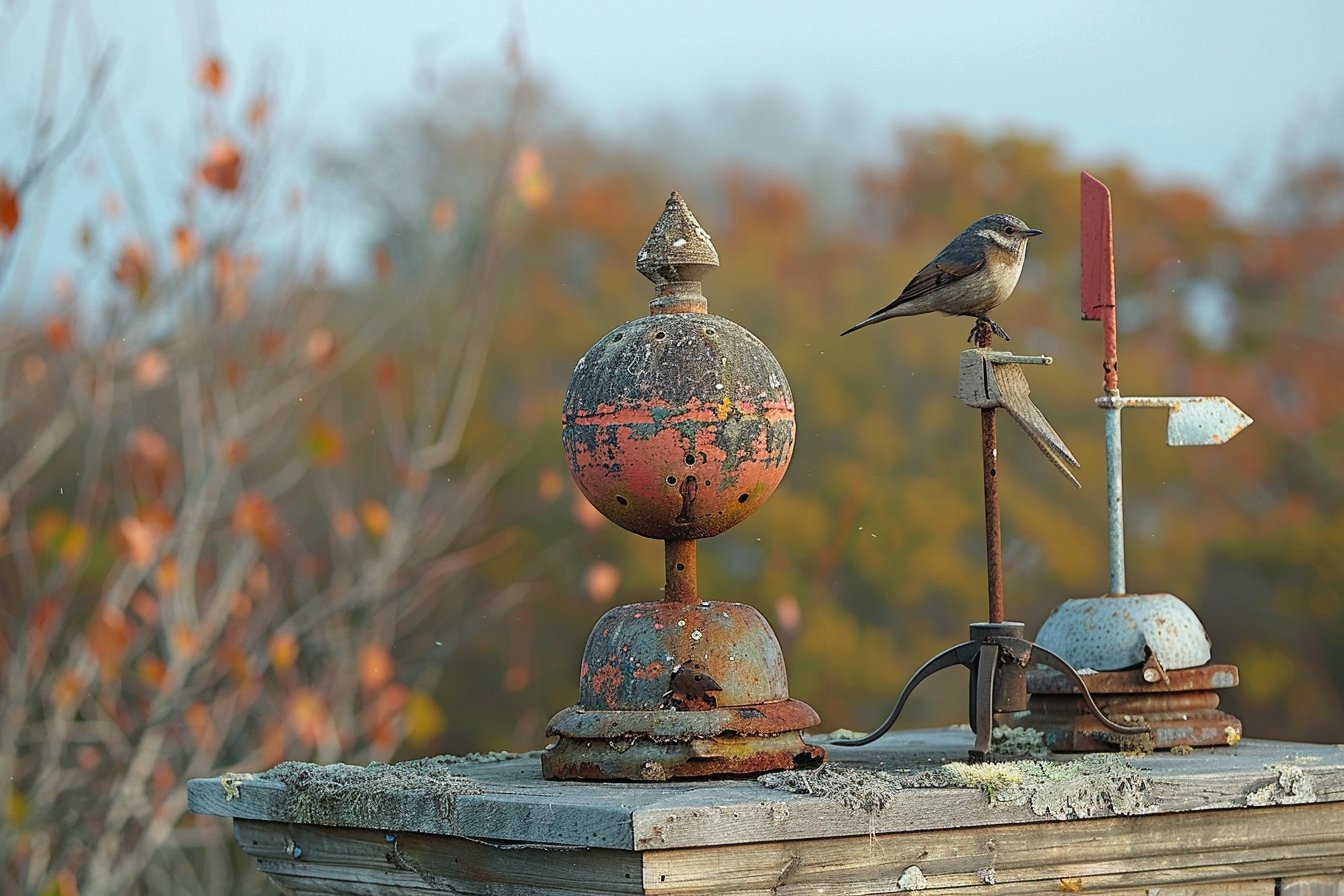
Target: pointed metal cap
{"type": "Point", "coordinates": [678, 250]}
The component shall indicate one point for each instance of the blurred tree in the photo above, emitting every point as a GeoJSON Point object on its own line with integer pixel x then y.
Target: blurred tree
{"type": "Point", "coordinates": [236, 523]}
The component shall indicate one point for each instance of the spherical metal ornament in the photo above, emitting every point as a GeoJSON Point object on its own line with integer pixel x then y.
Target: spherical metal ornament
{"type": "Point", "coordinates": [678, 425]}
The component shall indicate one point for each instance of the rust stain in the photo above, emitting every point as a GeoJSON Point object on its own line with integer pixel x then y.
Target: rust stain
{"type": "Point", "coordinates": [606, 684]}
{"type": "Point", "coordinates": [651, 672]}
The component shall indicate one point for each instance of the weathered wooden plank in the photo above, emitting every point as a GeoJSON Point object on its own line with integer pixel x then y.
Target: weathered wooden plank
{"type": "Point", "coordinates": [344, 860]}
{"type": "Point", "coordinates": [552, 813]}
{"type": "Point", "coordinates": [517, 804]}
{"type": "Point", "coordinates": [1221, 888]}
{"type": "Point", "coordinates": [1105, 853]}
{"type": "Point", "coordinates": [1259, 776]}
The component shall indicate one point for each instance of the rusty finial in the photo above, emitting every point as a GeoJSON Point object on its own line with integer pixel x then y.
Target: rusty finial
{"type": "Point", "coordinates": [677, 255]}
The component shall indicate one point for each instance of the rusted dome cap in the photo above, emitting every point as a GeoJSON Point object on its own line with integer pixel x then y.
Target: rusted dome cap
{"type": "Point", "coordinates": [632, 658]}
{"type": "Point", "coordinates": [1117, 632]}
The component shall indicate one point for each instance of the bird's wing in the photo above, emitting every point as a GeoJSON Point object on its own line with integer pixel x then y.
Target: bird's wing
{"type": "Point", "coordinates": [939, 272]}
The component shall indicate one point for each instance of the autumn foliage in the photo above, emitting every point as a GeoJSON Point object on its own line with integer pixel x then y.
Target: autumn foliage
{"type": "Point", "coordinates": [248, 514]}
{"type": "Point", "coordinates": [224, 521]}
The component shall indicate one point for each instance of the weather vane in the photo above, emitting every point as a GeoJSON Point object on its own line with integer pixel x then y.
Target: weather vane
{"type": "Point", "coordinates": [975, 273]}
{"type": "Point", "coordinates": [1147, 654]}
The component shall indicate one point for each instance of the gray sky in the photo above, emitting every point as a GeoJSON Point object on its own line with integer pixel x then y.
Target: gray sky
{"type": "Point", "coordinates": [1215, 92]}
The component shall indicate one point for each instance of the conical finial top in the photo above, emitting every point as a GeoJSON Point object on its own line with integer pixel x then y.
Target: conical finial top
{"type": "Point", "coordinates": [678, 250]}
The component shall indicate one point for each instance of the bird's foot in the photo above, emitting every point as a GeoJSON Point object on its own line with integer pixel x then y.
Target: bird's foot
{"type": "Point", "coordinates": [981, 335]}
{"type": "Point", "coordinates": [984, 331]}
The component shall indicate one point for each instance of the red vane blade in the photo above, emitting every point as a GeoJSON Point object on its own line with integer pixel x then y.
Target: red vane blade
{"type": "Point", "coordinates": [1097, 249]}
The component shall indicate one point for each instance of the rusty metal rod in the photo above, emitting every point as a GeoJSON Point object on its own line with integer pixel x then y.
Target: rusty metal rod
{"type": "Point", "coordinates": [679, 562]}
{"type": "Point", "coordinates": [989, 440]}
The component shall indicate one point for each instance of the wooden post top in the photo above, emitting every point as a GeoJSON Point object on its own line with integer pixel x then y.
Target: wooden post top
{"type": "Point", "coordinates": [907, 781]}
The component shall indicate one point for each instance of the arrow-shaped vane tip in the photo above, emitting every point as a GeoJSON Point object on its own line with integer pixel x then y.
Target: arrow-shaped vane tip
{"type": "Point", "coordinates": [1205, 420]}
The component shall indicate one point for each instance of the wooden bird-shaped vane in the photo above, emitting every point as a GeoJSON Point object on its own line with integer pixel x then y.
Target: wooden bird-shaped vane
{"type": "Point", "coordinates": [992, 379]}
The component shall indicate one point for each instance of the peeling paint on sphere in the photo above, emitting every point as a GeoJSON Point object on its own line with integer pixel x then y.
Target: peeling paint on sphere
{"type": "Point", "coordinates": [678, 425]}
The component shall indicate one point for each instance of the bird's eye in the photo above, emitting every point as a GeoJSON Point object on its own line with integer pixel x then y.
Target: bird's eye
{"type": "Point", "coordinates": [1009, 229]}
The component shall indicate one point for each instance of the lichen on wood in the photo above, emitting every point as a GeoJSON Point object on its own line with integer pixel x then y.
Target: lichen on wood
{"type": "Point", "coordinates": [1091, 785]}
{"type": "Point", "coordinates": [377, 794]}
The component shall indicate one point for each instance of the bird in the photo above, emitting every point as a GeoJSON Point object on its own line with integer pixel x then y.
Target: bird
{"type": "Point", "coordinates": [973, 275]}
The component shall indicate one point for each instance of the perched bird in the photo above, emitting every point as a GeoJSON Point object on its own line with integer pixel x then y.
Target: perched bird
{"type": "Point", "coordinates": [971, 277]}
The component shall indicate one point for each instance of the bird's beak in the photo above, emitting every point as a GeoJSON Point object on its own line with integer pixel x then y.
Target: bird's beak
{"type": "Point", "coordinates": [1030, 233]}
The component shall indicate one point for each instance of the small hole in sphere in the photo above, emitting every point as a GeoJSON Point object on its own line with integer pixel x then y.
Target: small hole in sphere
{"type": "Point", "coordinates": [618, 337]}
{"type": "Point", "coordinates": [690, 459]}
{"type": "Point", "coordinates": [742, 498]}
{"type": "Point", "coordinates": [620, 499]}
{"type": "Point", "coordinates": [659, 335]}
{"type": "Point", "coordinates": [671, 480]}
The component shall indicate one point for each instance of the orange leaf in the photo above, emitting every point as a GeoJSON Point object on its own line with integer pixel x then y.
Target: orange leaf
{"type": "Point", "coordinates": [145, 606]}
{"type": "Point", "coordinates": [550, 485]}
{"type": "Point", "coordinates": [324, 444]}
{"type": "Point", "coordinates": [152, 461]}
{"type": "Point", "coordinates": [234, 452]}
{"type": "Point", "coordinates": [255, 517]}
{"type": "Point", "coordinates": [517, 676]}
{"type": "Point", "coordinates": [382, 262]}
{"type": "Point", "coordinates": [345, 523]}
{"type": "Point", "coordinates": [9, 209]}
{"type": "Point", "coordinates": [165, 577]}
{"type": "Point", "coordinates": [152, 671]}
{"type": "Point", "coordinates": [308, 716]}
{"type": "Point", "coordinates": [258, 112]}
{"type": "Point", "coordinates": [321, 346]}
{"type": "Point", "coordinates": [211, 75]}
{"type": "Point", "coordinates": [442, 214]}
{"type": "Point", "coordinates": [138, 539]}
{"type": "Point", "coordinates": [375, 517]}
{"type": "Point", "coordinates": [587, 515]}
{"type": "Point", "coordinates": [108, 637]}
{"type": "Point", "coordinates": [202, 727]}
{"type": "Point", "coordinates": [531, 183]}
{"type": "Point", "coordinates": [68, 688]}
{"type": "Point", "coordinates": [58, 333]}
{"type": "Point", "coordinates": [135, 267]}
{"type": "Point", "coordinates": [386, 374]}
{"type": "Point", "coordinates": [150, 369]}
{"type": "Point", "coordinates": [601, 581]}
{"type": "Point", "coordinates": [283, 649]}
{"type": "Point", "coordinates": [186, 245]}
{"type": "Point", "coordinates": [184, 641]}
{"type": "Point", "coordinates": [222, 167]}
{"type": "Point", "coordinates": [34, 369]}
{"type": "Point", "coordinates": [788, 614]}
{"type": "Point", "coordinates": [375, 666]}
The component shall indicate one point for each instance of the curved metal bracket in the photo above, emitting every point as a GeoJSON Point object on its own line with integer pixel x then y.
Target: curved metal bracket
{"type": "Point", "coordinates": [963, 654]}
{"type": "Point", "coordinates": [993, 647]}
{"type": "Point", "coordinates": [1045, 657]}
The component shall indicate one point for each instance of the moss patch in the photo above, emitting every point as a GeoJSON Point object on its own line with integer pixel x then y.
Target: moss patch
{"type": "Point", "coordinates": [377, 795]}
